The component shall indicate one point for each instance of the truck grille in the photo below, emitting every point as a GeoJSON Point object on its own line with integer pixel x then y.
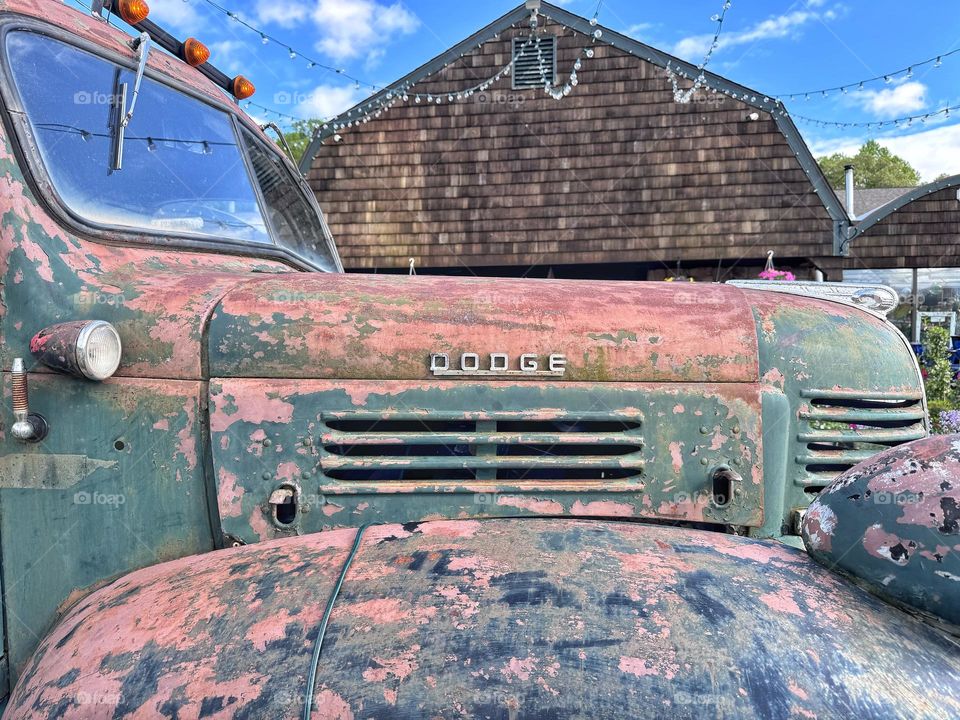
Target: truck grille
{"type": "Point", "coordinates": [843, 428]}
{"type": "Point", "coordinates": [478, 447]}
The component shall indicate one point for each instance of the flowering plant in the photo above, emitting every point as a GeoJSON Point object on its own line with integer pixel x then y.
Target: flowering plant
{"type": "Point", "coordinates": [950, 421]}
{"type": "Point", "coordinates": [771, 274]}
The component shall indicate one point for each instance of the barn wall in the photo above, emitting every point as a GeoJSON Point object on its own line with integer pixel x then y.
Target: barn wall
{"type": "Point", "coordinates": [616, 172]}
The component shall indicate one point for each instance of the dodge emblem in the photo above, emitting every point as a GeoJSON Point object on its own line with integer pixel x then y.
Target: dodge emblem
{"type": "Point", "coordinates": [498, 365]}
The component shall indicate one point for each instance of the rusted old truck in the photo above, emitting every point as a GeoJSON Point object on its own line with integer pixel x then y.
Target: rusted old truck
{"type": "Point", "coordinates": [237, 483]}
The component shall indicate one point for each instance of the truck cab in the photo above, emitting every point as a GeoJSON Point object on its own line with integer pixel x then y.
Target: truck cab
{"type": "Point", "coordinates": [206, 417]}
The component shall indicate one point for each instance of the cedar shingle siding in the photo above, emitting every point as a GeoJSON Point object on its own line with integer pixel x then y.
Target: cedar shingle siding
{"type": "Point", "coordinates": [615, 172]}
{"type": "Point", "coordinates": [924, 233]}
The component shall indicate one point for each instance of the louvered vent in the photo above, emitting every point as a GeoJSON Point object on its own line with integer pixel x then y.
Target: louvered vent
{"type": "Point", "coordinates": [477, 447]}
{"type": "Point", "coordinates": [842, 428]}
{"type": "Point", "coordinates": [534, 63]}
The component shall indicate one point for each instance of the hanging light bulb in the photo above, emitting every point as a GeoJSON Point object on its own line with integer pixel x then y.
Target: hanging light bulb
{"type": "Point", "coordinates": [264, 39]}
{"type": "Point", "coordinates": [939, 62]}
{"type": "Point", "coordinates": [293, 53]}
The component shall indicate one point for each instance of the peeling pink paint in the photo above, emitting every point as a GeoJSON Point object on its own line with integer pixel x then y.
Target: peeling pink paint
{"type": "Point", "coordinates": [531, 504]}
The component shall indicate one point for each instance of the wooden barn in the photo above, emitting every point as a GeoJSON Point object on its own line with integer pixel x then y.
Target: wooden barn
{"type": "Point", "coordinates": [468, 165]}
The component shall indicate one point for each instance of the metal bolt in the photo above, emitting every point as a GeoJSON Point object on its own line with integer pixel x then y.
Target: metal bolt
{"type": "Point", "coordinates": [306, 474]}
{"type": "Point", "coordinates": [703, 461]}
{"type": "Point", "coordinates": [267, 476]}
{"type": "Point", "coordinates": [704, 430]}
{"type": "Point", "coordinates": [736, 429]}
{"type": "Point", "coordinates": [267, 442]}
{"type": "Point", "coordinates": [307, 441]}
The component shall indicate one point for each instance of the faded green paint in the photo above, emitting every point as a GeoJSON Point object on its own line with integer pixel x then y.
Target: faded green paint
{"type": "Point", "coordinates": [269, 434]}
{"type": "Point", "coordinates": [826, 358]}
{"type": "Point", "coordinates": [95, 516]}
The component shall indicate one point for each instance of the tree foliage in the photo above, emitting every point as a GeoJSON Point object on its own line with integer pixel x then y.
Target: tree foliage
{"type": "Point", "coordinates": [936, 353]}
{"type": "Point", "coordinates": [876, 167]}
{"type": "Point", "coordinates": [300, 135]}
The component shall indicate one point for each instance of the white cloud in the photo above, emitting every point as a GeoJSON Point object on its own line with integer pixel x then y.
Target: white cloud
{"type": "Point", "coordinates": [932, 152]}
{"type": "Point", "coordinates": [284, 14]}
{"type": "Point", "coordinates": [225, 54]}
{"type": "Point", "coordinates": [175, 14]}
{"type": "Point", "coordinates": [328, 101]}
{"type": "Point", "coordinates": [903, 99]}
{"type": "Point", "coordinates": [352, 28]}
{"type": "Point", "coordinates": [638, 29]}
{"type": "Point", "coordinates": [779, 26]}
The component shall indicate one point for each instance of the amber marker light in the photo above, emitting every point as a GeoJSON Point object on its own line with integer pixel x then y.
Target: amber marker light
{"type": "Point", "coordinates": [241, 88]}
{"type": "Point", "coordinates": [195, 52]}
{"type": "Point", "coordinates": [133, 11]}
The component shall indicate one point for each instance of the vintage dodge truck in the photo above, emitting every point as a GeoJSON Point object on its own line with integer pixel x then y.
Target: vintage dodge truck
{"type": "Point", "coordinates": [235, 482]}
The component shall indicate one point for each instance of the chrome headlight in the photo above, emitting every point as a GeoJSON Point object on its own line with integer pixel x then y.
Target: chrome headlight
{"type": "Point", "coordinates": [84, 348]}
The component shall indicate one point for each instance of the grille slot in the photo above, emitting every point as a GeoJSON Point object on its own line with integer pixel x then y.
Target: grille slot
{"type": "Point", "coordinates": [481, 448]}
{"type": "Point", "coordinates": [842, 428]}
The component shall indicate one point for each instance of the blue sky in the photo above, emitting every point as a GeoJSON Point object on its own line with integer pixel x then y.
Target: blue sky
{"type": "Point", "coordinates": [775, 46]}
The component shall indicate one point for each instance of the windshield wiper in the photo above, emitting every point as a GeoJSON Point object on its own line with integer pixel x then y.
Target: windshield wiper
{"type": "Point", "coordinates": [123, 115]}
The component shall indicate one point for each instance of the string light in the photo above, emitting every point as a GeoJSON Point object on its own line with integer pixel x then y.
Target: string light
{"type": "Point", "coordinates": [906, 73]}
{"type": "Point", "coordinates": [266, 38]}
{"type": "Point", "coordinates": [877, 124]}
{"type": "Point", "coordinates": [268, 111]}
{"type": "Point", "coordinates": [375, 107]}
{"type": "Point", "coordinates": [685, 96]}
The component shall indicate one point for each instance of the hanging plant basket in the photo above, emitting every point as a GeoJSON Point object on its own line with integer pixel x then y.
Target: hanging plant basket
{"type": "Point", "coordinates": [771, 273]}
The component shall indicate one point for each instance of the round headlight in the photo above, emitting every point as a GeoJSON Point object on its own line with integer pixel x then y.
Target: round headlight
{"type": "Point", "coordinates": [98, 350]}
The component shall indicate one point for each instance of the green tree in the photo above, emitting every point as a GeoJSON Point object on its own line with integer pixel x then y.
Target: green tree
{"type": "Point", "coordinates": [876, 167]}
{"type": "Point", "coordinates": [300, 135]}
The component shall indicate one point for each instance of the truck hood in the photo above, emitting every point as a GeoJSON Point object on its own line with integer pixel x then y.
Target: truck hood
{"type": "Point", "coordinates": [447, 619]}
{"type": "Point", "coordinates": [387, 327]}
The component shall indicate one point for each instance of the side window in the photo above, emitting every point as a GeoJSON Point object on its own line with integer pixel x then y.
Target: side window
{"type": "Point", "coordinates": [293, 218]}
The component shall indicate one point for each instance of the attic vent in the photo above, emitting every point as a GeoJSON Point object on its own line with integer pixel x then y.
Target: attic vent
{"type": "Point", "coordinates": [531, 68]}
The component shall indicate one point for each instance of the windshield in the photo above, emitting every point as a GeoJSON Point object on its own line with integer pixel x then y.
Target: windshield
{"type": "Point", "coordinates": [185, 170]}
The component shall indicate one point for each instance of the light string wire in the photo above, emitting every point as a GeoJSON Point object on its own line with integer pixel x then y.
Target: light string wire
{"type": "Point", "coordinates": [376, 107]}
{"type": "Point", "coordinates": [878, 124]}
{"type": "Point", "coordinates": [266, 38]}
{"type": "Point", "coordinates": [889, 77]}
{"type": "Point", "coordinates": [685, 96]}
{"type": "Point", "coordinates": [906, 72]}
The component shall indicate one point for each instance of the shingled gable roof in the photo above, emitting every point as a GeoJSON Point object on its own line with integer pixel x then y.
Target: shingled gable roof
{"type": "Point", "coordinates": [624, 43]}
{"type": "Point", "coordinates": [876, 215]}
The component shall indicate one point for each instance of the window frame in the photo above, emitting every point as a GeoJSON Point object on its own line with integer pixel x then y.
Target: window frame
{"type": "Point", "coordinates": [27, 152]}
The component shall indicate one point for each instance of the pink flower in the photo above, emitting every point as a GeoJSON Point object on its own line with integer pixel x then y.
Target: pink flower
{"type": "Point", "coordinates": [785, 275]}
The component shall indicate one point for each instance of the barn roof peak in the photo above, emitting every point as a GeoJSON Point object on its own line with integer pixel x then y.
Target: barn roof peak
{"type": "Point", "coordinates": [606, 36]}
